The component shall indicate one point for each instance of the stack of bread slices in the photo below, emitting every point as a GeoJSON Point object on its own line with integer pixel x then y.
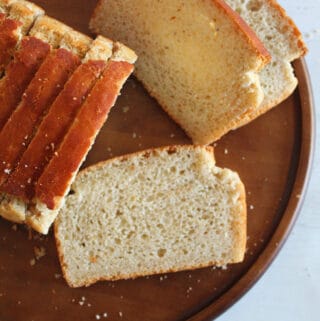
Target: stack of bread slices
{"type": "Point", "coordinates": [56, 89]}
{"type": "Point", "coordinates": [160, 210]}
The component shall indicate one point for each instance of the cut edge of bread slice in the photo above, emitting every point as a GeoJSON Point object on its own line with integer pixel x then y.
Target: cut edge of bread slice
{"type": "Point", "coordinates": [25, 12]}
{"type": "Point", "coordinates": [39, 216]}
{"type": "Point", "coordinates": [14, 208]}
{"type": "Point", "coordinates": [270, 21]}
{"type": "Point", "coordinates": [59, 35]}
{"type": "Point", "coordinates": [5, 6]}
{"type": "Point", "coordinates": [249, 84]}
{"type": "Point", "coordinates": [204, 162]}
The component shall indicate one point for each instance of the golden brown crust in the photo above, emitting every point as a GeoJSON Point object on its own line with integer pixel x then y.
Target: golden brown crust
{"type": "Point", "coordinates": [8, 41]}
{"type": "Point", "coordinates": [52, 129]}
{"type": "Point", "coordinates": [58, 175]}
{"type": "Point", "coordinates": [43, 89]}
{"type": "Point", "coordinates": [19, 74]}
{"type": "Point", "coordinates": [252, 39]}
{"type": "Point", "coordinates": [300, 43]}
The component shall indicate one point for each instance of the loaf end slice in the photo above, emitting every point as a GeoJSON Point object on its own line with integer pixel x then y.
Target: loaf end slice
{"type": "Point", "coordinates": [156, 211]}
{"type": "Point", "coordinates": [197, 58]}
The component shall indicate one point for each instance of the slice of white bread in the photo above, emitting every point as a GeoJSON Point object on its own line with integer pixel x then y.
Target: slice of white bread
{"type": "Point", "coordinates": [156, 211]}
{"type": "Point", "coordinates": [197, 58]}
{"type": "Point", "coordinates": [284, 42]}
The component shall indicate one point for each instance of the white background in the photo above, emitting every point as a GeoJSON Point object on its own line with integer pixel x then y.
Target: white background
{"type": "Point", "coordinates": [290, 289]}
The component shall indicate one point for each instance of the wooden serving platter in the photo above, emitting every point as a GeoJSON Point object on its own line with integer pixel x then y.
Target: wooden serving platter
{"type": "Point", "coordinates": [272, 155]}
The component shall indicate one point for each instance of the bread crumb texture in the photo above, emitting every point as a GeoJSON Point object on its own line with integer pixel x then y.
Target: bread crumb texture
{"type": "Point", "coordinates": [156, 211]}
{"type": "Point", "coordinates": [194, 58]}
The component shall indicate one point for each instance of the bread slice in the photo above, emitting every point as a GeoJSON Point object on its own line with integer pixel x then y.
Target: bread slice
{"type": "Point", "coordinates": [156, 211]}
{"type": "Point", "coordinates": [19, 188]}
{"type": "Point", "coordinates": [54, 183]}
{"type": "Point", "coordinates": [284, 42]}
{"type": "Point", "coordinates": [197, 58]}
{"type": "Point", "coordinates": [16, 23]}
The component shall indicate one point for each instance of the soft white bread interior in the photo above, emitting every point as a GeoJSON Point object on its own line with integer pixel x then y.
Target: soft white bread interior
{"type": "Point", "coordinates": [155, 211]}
{"type": "Point", "coordinates": [197, 58]}
{"type": "Point", "coordinates": [25, 12]}
{"type": "Point", "coordinates": [285, 44]}
{"type": "Point", "coordinates": [60, 35]}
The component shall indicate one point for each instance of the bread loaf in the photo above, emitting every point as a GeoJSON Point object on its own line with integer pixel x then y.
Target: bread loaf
{"type": "Point", "coordinates": [197, 58]}
{"type": "Point", "coordinates": [156, 211]}
{"type": "Point", "coordinates": [63, 81]}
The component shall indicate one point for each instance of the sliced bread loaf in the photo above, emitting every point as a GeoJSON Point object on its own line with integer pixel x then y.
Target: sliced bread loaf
{"type": "Point", "coordinates": [157, 211]}
{"type": "Point", "coordinates": [19, 188]}
{"type": "Point", "coordinates": [62, 80]}
{"type": "Point", "coordinates": [197, 58]}
{"type": "Point", "coordinates": [284, 42]}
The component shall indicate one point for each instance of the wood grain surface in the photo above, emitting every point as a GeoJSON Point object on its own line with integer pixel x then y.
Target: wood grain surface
{"type": "Point", "coordinates": [272, 157]}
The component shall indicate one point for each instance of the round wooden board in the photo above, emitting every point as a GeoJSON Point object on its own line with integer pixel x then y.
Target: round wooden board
{"type": "Point", "coordinates": [272, 155]}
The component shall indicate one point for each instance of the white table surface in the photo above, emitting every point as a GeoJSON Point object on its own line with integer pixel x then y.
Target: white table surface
{"type": "Point", "coordinates": [290, 289]}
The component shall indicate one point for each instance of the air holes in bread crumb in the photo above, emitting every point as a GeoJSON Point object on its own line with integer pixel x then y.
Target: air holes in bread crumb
{"type": "Point", "coordinates": [162, 252]}
{"type": "Point", "coordinates": [254, 5]}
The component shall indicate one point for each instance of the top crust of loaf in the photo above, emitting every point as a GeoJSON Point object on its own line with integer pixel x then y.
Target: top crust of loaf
{"type": "Point", "coordinates": [60, 35]}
